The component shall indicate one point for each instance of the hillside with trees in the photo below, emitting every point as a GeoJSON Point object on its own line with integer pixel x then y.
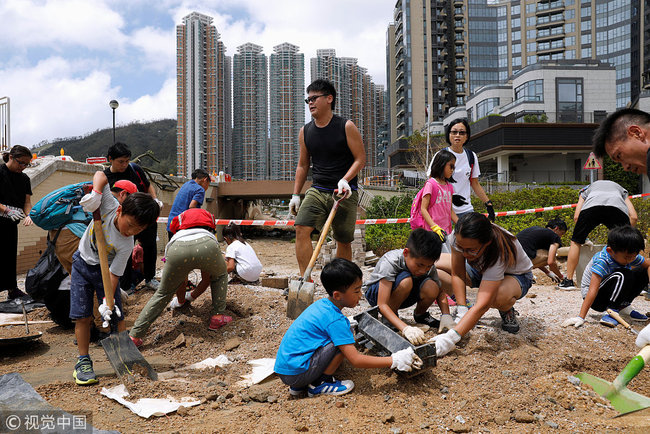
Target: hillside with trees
{"type": "Point", "coordinates": [157, 136]}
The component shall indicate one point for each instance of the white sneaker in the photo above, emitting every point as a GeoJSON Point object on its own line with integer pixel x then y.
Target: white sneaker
{"type": "Point", "coordinates": [152, 284]}
{"type": "Point", "coordinates": [174, 304]}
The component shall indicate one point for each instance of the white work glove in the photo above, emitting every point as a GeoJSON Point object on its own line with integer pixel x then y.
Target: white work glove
{"type": "Point", "coordinates": [159, 202]}
{"type": "Point", "coordinates": [90, 202]}
{"type": "Point", "coordinates": [554, 277]}
{"type": "Point", "coordinates": [445, 343]}
{"type": "Point", "coordinates": [446, 323]}
{"type": "Point", "coordinates": [576, 322]}
{"type": "Point", "coordinates": [344, 188]}
{"type": "Point", "coordinates": [460, 312]}
{"type": "Point", "coordinates": [643, 338]}
{"type": "Point", "coordinates": [106, 313]}
{"type": "Point", "coordinates": [414, 335]}
{"type": "Point", "coordinates": [13, 213]}
{"type": "Point", "coordinates": [294, 204]}
{"type": "Point", "coordinates": [174, 304]}
{"type": "Point", "coordinates": [405, 360]}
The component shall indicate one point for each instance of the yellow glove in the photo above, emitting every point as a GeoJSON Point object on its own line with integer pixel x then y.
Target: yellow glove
{"type": "Point", "coordinates": [441, 233]}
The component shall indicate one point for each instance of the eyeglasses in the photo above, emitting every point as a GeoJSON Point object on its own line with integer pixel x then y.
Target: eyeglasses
{"type": "Point", "coordinates": [471, 252]}
{"type": "Point", "coordinates": [28, 164]}
{"type": "Point", "coordinates": [457, 133]}
{"type": "Point", "coordinates": [313, 98]}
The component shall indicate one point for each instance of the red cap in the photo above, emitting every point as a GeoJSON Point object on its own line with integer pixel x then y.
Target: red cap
{"type": "Point", "coordinates": [127, 186]}
{"type": "Point", "coordinates": [192, 218]}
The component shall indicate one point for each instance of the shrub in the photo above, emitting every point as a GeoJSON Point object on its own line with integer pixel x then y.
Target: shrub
{"type": "Point", "coordinates": [382, 238]}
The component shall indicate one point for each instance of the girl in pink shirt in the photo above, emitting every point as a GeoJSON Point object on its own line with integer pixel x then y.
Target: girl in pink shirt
{"type": "Point", "coordinates": [431, 209]}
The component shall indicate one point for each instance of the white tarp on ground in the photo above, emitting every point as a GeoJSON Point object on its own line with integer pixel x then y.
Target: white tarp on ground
{"type": "Point", "coordinates": [147, 407]}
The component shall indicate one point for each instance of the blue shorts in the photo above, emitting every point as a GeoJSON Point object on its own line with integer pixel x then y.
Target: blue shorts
{"type": "Point", "coordinates": [373, 290]}
{"type": "Point", "coordinates": [86, 281]}
{"type": "Point", "coordinates": [525, 280]}
{"type": "Point", "coordinates": [318, 362]}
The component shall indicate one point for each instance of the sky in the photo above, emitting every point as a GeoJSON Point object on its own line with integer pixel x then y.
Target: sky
{"type": "Point", "coordinates": [62, 61]}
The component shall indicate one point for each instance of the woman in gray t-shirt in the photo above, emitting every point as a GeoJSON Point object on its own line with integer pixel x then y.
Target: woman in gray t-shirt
{"type": "Point", "coordinates": [492, 259]}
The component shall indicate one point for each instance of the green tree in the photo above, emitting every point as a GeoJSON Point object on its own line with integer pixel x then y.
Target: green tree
{"type": "Point", "coordinates": [614, 172]}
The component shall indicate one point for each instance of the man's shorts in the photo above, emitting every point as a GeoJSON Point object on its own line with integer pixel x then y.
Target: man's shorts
{"type": "Point", "coordinates": [525, 280]}
{"type": "Point", "coordinates": [589, 218]}
{"type": "Point", "coordinates": [373, 290]}
{"type": "Point", "coordinates": [85, 282]}
{"type": "Point", "coordinates": [319, 361]}
{"type": "Point", "coordinates": [317, 205]}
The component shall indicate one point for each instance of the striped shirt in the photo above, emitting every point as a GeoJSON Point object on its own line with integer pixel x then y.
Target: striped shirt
{"type": "Point", "coordinates": [603, 265]}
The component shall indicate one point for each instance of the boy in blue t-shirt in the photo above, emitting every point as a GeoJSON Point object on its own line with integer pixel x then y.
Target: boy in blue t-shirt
{"type": "Point", "coordinates": [614, 277]}
{"type": "Point", "coordinates": [320, 338]}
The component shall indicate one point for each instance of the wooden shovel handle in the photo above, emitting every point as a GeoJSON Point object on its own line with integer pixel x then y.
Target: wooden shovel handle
{"type": "Point", "coordinates": [618, 318]}
{"type": "Point", "coordinates": [323, 235]}
{"type": "Point", "coordinates": [100, 240]}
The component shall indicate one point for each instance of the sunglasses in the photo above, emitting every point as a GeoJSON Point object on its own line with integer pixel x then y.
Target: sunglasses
{"type": "Point", "coordinates": [313, 98]}
{"type": "Point", "coordinates": [457, 133]}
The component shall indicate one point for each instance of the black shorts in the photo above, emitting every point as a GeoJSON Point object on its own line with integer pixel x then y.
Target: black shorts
{"type": "Point", "coordinates": [589, 218]}
{"type": "Point", "coordinates": [618, 289]}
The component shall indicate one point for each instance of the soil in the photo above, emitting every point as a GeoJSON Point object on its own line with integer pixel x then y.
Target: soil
{"type": "Point", "coordinates": [493, 382]}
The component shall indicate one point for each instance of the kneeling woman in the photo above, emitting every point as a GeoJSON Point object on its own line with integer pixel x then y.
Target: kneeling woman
{"type": "Point", "coordinates": [494, 261]}
{"type": "Point", "coordinates": [193, 246]}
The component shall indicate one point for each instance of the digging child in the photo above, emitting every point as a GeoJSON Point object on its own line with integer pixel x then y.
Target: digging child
{"type": "Point", "coordinates": [318, 340]}
{"type": "Point", "coordinates": [404, 277]}
{"type": "Point", "coordinates": [119, 223]}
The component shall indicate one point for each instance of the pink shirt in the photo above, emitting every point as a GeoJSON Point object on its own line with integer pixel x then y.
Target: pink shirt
{"type": "Point", "coordinates": [439, 205]}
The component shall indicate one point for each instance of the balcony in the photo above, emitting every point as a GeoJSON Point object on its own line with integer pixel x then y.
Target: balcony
{"type": "Point", "coordinates": [550, 50]}
{"type": "Point", "coordinates": [458, 13]}
{"type": "Point", "coordinates": [553, 6]}
{"type": "Point", "coordinates": [460, 52]}
{"type": "Point", "coordinates": [549, 20]}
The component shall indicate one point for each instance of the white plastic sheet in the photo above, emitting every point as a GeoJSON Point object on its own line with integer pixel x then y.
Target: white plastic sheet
{"type": "Point", "coordinates": [262, 369]}
{"type": "Point", "coordinates": [147, 407]}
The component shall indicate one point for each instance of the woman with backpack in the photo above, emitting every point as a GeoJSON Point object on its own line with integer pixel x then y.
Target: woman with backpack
{"type": "Point", "coordinates": [432, 209]}
{"type": "Point", "coordinates": [15, 204]}
{"type": "Point", "coordinates": [467, 170]}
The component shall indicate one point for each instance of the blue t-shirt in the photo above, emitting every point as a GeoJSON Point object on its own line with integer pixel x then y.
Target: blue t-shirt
{"type": "Point", "coordinates": [603, 265]}
{"type": "Point", "coordinates": [320, 324]}
{"type": "Point", "coordinates": [189, 191]}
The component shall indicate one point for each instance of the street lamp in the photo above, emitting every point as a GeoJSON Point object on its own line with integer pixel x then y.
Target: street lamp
{"type": "Point", "coordinates": [114, 104]}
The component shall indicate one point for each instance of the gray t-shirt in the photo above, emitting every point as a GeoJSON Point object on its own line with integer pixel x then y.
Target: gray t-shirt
{"type": "Point", "coordinates": [119, 247]}
{"type": "Point", "coordinates": [497, 271]}
{"type": "Point", "coordinates": [391, 264]}
{"type": "Point", "coordinates": [604, 193]}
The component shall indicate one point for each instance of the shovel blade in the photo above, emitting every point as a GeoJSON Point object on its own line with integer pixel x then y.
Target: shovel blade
{"type": "Point", "coordinates": [125, 358]}
{"type": "Point", "coordinates": [301, 295]}
{"type": "Point", "coordinates": [624, 402]}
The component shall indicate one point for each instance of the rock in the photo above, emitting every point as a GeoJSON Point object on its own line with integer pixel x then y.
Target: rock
{"type": "Point", "coordinates": [506, 373]}
{"type": "Point", "coordinates": [444, 390]}
{"type": "Point", "coordinates": [214, 405]}
{"type": "Point", "coordinates": [524, 417]}
{"type": "Point", "coordinates": [229, 395]}
{"type": "Point", "coordinates": [573, 380]}
{"type": "Point", "coordinates": [231, 344]}
{"type": "Point", "coordinates": [459, 427]}
{"type": "Point", "coordinates": [396, 430]}
{"type": "Point", "coordinates": [460, 419]}
{"type": "Point", "coordinates": [211, 396]}
{"type": "Point", "coordinates": [552, 424]}
{"type": "Point", "coordinates": [389, 418]}
{"type": "Point", "coordinates": [275, 282]}
{"type": "Point", "coordinates": [386, 398]}
{"type": "Point", "coordinates": [179, 341]}
{"type": "Point", "coordinates": [531, 295]}
{"type": "Point", "coordinates": [182, 411]}
{"type": "Point", "coordinates": [258, 394]}
{"type": "Point", "coordinates": [221, 399]}
{"type": "Point", "coordinates": [302, 428]}
{"type": "Point", "coordinates": [502, 418]}
{"type": "Point", "coordinates": [340, 404]}
{"type": "Point", "coordinates": [271, 399]}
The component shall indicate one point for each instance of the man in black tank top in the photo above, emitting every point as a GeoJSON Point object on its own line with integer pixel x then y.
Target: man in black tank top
{"type": "Point", "coordinates": [334, 149]}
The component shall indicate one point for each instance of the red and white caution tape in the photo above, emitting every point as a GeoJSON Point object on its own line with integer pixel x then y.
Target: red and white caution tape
{"type": "Point", "coordinates": [388, 221]}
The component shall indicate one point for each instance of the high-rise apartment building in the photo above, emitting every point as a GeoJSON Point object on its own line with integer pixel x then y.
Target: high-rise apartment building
{"type": "Point", "coordinates": [203, 97]}
{"type": "Point", "coordinates": [250, 113]}
{"type": "Point", "coordinates": [287, 109]}
{"type": "Point", "coordinates": [439, 52]}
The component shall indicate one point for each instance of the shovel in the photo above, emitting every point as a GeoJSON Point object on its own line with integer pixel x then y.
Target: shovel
{"type": "Point", "coordinates": [623, 400]}
{"type": "Point", "coordinates": [618, 318]}
{"type": "Point", "coordinates": [301, 291]}
{"type": "Point", "coordinates": [124, 356]}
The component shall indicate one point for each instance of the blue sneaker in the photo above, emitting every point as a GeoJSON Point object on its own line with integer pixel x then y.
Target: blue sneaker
{"type": "Point", "coordinates": [336, 388]}
{"type": "Point", "coordinates": [296, 391]}
{"type": "Point", "coordinates": [608, 321]}
{"type": "Point", "coordinates": [637, 316]}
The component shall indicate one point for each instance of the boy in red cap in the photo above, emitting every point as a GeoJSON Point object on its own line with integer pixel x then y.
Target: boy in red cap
{"type": "Point", "coordinates": [192, 246]}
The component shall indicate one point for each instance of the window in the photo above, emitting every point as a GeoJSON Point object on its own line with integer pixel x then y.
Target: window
{"type": "Point", "coordinates": [569, 99]}
{"type": "Point", "coordinates": [585, 53]}
{"type": "Point", "coordinates": [530, 91]}
{"type": "Point", "coordinates": [485, 107]}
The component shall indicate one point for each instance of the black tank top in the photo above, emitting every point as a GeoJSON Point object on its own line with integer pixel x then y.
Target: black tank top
{"type": "Point", "coordinates": [331, 157]}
